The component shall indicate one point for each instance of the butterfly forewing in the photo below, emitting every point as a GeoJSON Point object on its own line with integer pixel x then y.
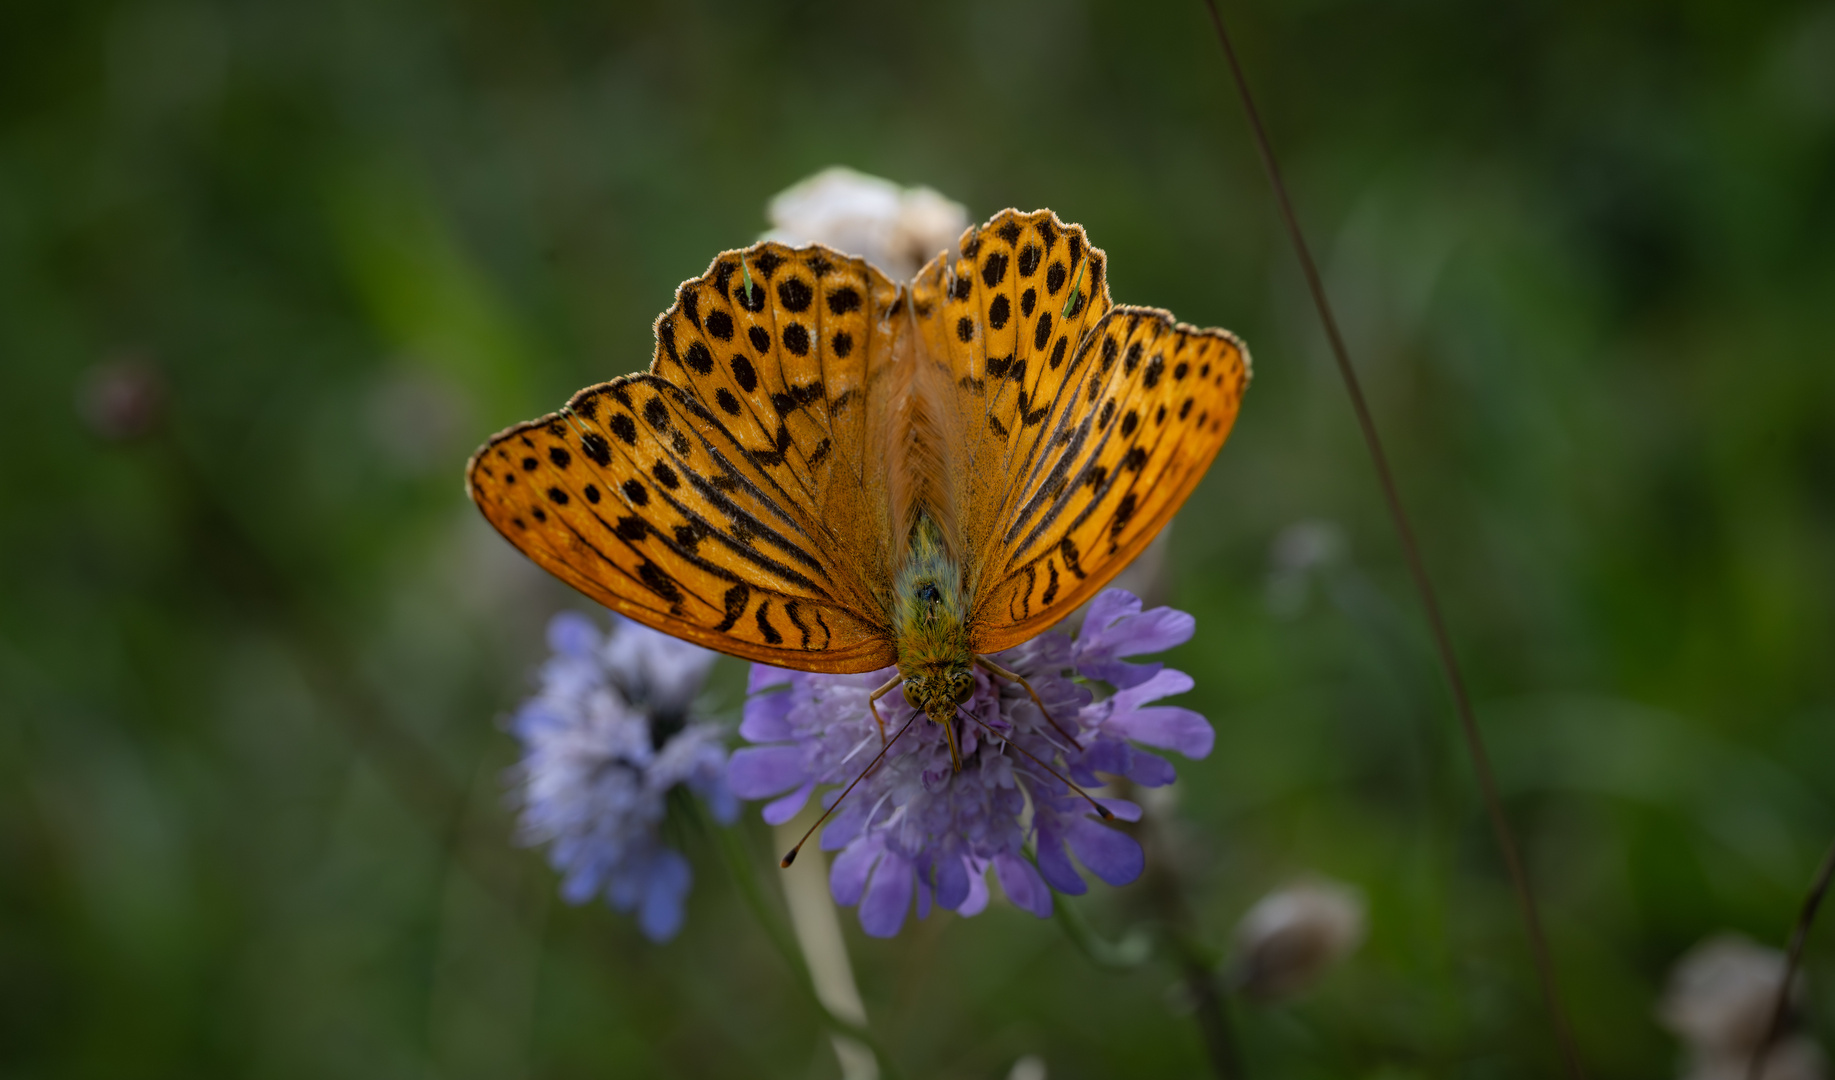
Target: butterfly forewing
{"type": "Point", "coordinates": [724, 497]}
{"type": "Point", "coordinates": [1098, 423]}
{"type": "Point", "coordinates": [789, 364]}
{"type": "Point", "coordinates": [1003, 315]}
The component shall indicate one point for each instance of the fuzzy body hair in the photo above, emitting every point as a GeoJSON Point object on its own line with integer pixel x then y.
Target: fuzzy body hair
{"type": "Point", "coordinates": [930, 616]}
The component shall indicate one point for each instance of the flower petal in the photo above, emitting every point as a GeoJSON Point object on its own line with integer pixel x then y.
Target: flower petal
{"type": "Point", "coordinates": [1116, 627]}
{"type": "Point", "coordinates": [1022, 884]}
{"type": "Point", "coordinates": [665, 890]}
{"type": "Point", "coordinates": [763, 676]}
{"type": "Point", "coordinates": [888, 896]}
{"type": "Point", "coordinates": [767, 718]}
{"type": "Point", "coordinates": [952, 882]}
{"type": "Point", "coordinates": [758, 772]}
{"type": "Point", "coordinates": [721, 802]}
{"type": "Point", "coordinates": [573, 634]}
{"type": "Point", "coordinates": [1055, 865]}
{"type": "Point", "coordinates": [1108, 606]}
{"type": "Point", "coordinates": [847, 875]}
{"type": "Point", "coordinates": [782, 810]}
{"type": "Point", "coordinates": [1149, 769]}
{"type": "Point", "coordinates": [1110, 854]}
{"type": "Point", "coordinates": [977, 901]}
{"type": "Point", "coordinates": [1167, 727]}
{"type": "Point", "coordinates": [1122, 809]}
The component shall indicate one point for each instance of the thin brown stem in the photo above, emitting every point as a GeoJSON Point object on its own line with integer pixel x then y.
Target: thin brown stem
{"type": "Point", "coordinates": [1417, 569]}
{"type": "Point", "coordinates": [1799, 937]}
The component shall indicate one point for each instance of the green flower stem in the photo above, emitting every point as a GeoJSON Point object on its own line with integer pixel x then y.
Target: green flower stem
{"type": "Point", "coordinates": [745, 875]}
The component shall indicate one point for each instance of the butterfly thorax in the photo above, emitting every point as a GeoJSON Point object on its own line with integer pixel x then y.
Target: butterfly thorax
{"type": "Point", "coordinates": [930, 618]}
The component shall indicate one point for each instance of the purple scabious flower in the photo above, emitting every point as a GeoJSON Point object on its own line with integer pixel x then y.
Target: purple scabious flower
{"type": "Point", "coordinates": [914, 827]}
{"type": "Point", "coordinates": [605, 740]}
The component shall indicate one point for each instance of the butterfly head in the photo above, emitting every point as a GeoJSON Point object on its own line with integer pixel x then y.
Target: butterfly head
{"type": "Point", "coordinates": [937, 695]}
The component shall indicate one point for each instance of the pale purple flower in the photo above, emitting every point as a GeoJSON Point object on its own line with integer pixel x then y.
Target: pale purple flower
{"type": "Point", "coordinates": [606, 739]}
{"type": "Point", "coordinates": [914, 828]}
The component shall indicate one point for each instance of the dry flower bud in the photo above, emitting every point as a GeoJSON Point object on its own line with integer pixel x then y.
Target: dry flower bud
{"type": "Point", "coordinates": [1293, 936]}
{"type": "Point", "coordinates": [1721, 994]}
{"type": "Point", "coordinates": [1795, 1058]}
{"type": "Point", "coordinates": [122, 399]}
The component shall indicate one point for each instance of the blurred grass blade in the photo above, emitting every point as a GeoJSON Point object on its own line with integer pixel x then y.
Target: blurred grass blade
{"type": "Point", "coordinates": [1799, 938]}
{"type": "Point", "coordinates": [1481, 763]}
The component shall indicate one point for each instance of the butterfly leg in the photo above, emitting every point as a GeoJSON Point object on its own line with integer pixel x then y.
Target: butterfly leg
{"type": "Point", "coordinates": [873, 704]}
{"type": "Point", "coordinates": [955, 750]}
{"type": "Point", "coordinates": [1010, 676]}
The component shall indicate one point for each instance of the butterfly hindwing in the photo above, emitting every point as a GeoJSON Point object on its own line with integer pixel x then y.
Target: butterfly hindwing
{"type": "Point", "coordinates": [722, 497]}
{"type": "Point", "coordinates": [1150, 403]}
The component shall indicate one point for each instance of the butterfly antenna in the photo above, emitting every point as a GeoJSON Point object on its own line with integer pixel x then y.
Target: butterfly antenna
{"type": "Point", "coordinates": [1107, 815]}
{"type": "Point", "coordinates": [790, 856]}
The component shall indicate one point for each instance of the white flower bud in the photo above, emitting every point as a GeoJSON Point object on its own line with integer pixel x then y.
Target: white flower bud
{"type": "Point", "coordinates": [896, 229]}
{"type": "Point", "coordinates": [1721, 994]}
{"type": "Point", "coordinates": [1293, 936]}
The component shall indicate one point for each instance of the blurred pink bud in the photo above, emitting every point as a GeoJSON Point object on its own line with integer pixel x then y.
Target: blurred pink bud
{"type": "Point", "coordinates": [122, 399]}
{"type": "Point", "coordinates": [1293, 936]}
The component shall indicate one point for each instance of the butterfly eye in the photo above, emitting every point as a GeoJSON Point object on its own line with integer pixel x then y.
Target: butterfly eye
{"type": "Point", "coordinates": [965, 691]}
{"type": "Point", "coordinates": [911, 696]}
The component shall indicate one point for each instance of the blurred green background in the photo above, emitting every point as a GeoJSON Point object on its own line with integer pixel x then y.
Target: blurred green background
{"type": "Point", "coordinates": [269, 271]}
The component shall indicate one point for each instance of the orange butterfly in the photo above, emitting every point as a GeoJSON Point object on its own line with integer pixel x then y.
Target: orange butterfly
{"type": "Point", "coordinates": [828, 471]}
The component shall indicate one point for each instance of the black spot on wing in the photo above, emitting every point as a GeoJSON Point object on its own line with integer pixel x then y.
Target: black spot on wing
{"type": "Point", "coordinates": [795, 294]}
{"type": "Point", "coordinates": [735, 601]}
{"type": "Point", "coordinates": [994, 268]}
{"type": "Point", "coordinates": [796, 620]}
{"type": "Point", "coordinates": [744, 374]}
{"type": "Point", "coordinates": [771, 635]}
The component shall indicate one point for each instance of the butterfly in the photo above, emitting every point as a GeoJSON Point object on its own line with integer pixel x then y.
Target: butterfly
{"type": "Point", "coordinates": [827, 470]}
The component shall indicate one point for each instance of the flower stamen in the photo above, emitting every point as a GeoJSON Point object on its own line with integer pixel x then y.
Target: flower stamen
{"type": "Point", "coordinates": [1036, 760]}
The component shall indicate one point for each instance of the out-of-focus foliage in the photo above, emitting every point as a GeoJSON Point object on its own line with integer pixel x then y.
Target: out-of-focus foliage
{"type": "Point", "coordinates": [253, 664]}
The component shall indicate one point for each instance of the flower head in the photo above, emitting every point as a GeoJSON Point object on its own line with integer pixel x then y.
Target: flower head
{"type": "Point", "coordinates": [914, 827]}
{"type": "Point", "coordinates": [605, 741]}
{"type": "Point", "coordinates": [896, 229]}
